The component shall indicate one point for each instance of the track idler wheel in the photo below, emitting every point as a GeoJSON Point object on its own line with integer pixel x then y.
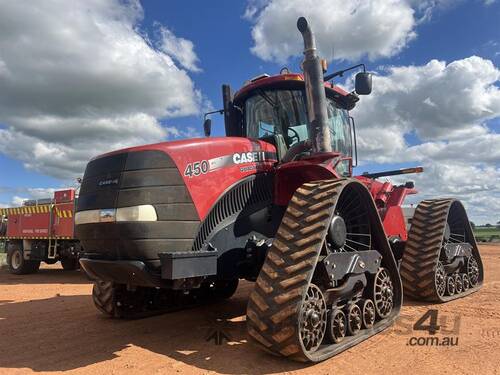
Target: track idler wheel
{"type": "Point", "coordinates": [383, 293]}
{"type": "Point", "coordinates": [337, 326]}
{"type": "Point", "coordinates": [440, 279]}
{"type": "Point", "coordinates": [439, 240]}
{"type": "Point", "coordinates": [293, 310]}
{"type": "Point", "coordinates": [473, 271]}
{"type": "Point", "coordinates": [313, 319]}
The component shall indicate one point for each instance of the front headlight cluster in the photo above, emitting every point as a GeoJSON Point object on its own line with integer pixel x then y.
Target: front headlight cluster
{"type": "Point", "coordinates": [144, 212]}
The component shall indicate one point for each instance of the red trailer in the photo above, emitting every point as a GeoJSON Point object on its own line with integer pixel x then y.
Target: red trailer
{"type": "Point", "coordinates": [40, 231]}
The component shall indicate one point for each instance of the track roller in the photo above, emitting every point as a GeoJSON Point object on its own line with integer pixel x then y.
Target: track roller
{"type": "Point", "coordinates": [465, 281]}
{"type": "Point", "coordinates": [354, 319]}
{"type": "Point", "coordinates": [337, 326]}
{"type": "Point", "coordinates": [441, 248]}
{"type": "Point", "coordinates": [368, 310]}
{"type": "Point", "coordinates": [451, 286]}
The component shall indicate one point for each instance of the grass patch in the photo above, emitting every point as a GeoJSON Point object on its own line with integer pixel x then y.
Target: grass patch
{"type": "Point", "coordinates": [487, 231]}
{"type": "Point", "coordinates": [487, 234]}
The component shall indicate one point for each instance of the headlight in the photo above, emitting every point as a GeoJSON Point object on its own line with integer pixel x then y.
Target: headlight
{"type": "Point", "coordinates": [87, 217]}
{"type": "Point", "coordinates": [136, 213]}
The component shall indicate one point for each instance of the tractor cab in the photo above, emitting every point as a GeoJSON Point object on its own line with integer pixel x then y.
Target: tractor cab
{"type": "Point", "coordinates": [274, 109]}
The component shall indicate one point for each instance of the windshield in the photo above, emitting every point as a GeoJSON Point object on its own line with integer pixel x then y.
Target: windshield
{"type": "Point", "coordinates": [283, 113]}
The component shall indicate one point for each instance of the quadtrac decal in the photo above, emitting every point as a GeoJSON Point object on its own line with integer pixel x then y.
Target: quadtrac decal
{"type": "Point", "coordinates": [255, 157]}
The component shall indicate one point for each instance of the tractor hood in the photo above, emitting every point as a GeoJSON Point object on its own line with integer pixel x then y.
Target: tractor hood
{"type": "Point", "coordinates": [207, 166]}
{"type": "Point", "coordinates": [157, 195]}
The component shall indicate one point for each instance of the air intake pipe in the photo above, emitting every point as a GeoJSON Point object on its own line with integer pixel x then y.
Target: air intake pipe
{"type": "Point", "coordinates": [315, 91]}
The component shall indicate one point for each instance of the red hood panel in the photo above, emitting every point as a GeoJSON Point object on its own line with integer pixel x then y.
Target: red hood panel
{"type": "Point", "coordinates": [211, 165]}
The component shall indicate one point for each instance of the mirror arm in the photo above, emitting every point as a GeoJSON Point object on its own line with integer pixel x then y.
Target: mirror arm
{"type": "Point", "coordinates": [219, 111]}
{"type": "Point", "coordinates": [355, 142]}
{"type": "Point", "coordinates": [340, 73]}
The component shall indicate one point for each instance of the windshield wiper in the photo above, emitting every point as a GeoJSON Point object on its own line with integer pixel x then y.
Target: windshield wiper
{"type": "Point", "coordinates": [267, 98]}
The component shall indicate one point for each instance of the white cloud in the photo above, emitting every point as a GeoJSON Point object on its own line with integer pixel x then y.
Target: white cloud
{"type": "Point", "coordinates": [476, 186]}
{"type": "Point", "coordinates": [18, 201]}
{"type": "Point", "coordinates": [447, 106]}
{"type": "Point", "coordinates": [78, 79]}
{"type": "Point", "coordinates": [436, 101]}
{"type": "Point", "coordinates": [343, 29]}
{"type": "Point", "coordinates": [180, 49]}
{"type": "Point", "coordinates": [20, 195]}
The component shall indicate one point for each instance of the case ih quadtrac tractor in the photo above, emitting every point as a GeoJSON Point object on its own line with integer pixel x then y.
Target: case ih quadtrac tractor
{"type": "Point", "coordinates": [177, 223]}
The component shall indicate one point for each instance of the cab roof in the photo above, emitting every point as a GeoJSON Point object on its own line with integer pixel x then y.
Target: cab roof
{"type": "Point", "coordinates": [294, 81]}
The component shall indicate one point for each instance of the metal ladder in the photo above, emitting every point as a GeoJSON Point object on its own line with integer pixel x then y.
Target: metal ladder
{"type": "Point", "coordinates": [52, 250]}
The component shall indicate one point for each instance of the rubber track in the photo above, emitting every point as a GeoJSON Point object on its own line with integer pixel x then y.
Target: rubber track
{"type": "Point", "coordinates": [274, 305]}
{"type": "Point", "coordinates": [422, 251]}
{"type": "Point", "coordinates": [103, 296]}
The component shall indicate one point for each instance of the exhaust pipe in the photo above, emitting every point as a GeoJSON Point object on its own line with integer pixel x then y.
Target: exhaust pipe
{"type": "Point", "coordinates": [315, 91]}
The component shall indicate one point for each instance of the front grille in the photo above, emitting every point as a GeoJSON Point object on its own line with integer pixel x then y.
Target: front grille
{"type": "Point", "coordinates": [133, 179]}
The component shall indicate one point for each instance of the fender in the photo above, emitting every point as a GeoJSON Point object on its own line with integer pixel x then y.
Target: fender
{"type": "Point", "coordinates": [290, 176]}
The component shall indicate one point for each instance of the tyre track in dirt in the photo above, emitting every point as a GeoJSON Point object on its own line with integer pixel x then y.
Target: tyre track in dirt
{"type": "Point", "coordinates": [48, 323]}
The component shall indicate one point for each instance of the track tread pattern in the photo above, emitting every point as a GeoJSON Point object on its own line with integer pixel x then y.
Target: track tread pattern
{"type": "Point", "coordinates": [274, 305]}
{"type": "Point", "coordinates": [103, 295]}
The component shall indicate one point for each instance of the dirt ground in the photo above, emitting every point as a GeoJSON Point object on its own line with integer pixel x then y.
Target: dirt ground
{"type": "Point", "coordinates": [48, 323]}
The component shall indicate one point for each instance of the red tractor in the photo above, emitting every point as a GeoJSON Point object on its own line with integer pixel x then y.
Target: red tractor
{"type": "Point", "coordinates": [177, 223]}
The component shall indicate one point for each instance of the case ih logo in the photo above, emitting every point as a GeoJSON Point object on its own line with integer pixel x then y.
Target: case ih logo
{"type": "Point", "coordinates": [249, 157]}
{"type": "Point", "coordinates": [108, 182]}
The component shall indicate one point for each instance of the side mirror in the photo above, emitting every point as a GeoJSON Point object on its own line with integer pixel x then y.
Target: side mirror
{"type": "Point", "coordinates": [363, 84]}
{"type": "Point", "coordinates": [207, 127]}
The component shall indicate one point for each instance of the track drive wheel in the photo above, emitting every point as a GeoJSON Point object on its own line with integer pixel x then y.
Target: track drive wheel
{"type": "Point", "coordinates": [18, 265]}
{"type": "Point", "coordinates": [287, 312]}
{"type": "Point", "coordinates": [438, 223]}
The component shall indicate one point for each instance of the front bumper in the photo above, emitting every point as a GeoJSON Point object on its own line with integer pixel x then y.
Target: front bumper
{"type": "Point", "coordinates": [174, 266]}
{"type": "Point", "coordinates": [131, 272]}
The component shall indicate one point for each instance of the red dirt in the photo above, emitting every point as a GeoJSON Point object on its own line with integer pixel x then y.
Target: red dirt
{"type": "Point", "coordinates": [48, 323]}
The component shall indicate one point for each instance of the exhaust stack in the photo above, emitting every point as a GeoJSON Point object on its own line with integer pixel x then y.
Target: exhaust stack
{"type": "Point", "coordinates": [315, 91]}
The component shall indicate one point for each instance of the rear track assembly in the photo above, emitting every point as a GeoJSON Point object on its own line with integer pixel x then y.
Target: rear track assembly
{"type": "Point", "coordinates": [441, 261]}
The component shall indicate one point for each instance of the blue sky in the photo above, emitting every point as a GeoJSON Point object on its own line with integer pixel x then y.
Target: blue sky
{"type": "Point", "coordinates": [222, 40]}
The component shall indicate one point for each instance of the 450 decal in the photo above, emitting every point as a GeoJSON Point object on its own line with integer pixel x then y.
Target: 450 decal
{"type": "Point", "coordinates": [197, 168]}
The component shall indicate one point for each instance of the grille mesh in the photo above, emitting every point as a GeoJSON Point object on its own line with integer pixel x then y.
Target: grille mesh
{"type": "Point", "coordinates": [251, 192]}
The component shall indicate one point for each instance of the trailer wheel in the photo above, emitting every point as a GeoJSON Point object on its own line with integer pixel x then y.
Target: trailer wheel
{"type": "Point", "coordinates": [70, 264]}
{"type": "Point", "coordinates": [18, 265]}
